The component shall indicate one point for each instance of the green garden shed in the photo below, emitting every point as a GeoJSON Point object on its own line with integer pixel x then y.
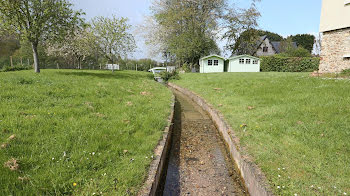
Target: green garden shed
{"type": "Point", "coordinates": [244, 63]}
{"type": "Point", "coordinates": [211, 64]}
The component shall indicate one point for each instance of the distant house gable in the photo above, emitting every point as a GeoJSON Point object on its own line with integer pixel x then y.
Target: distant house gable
{"type": "Point", "coordinates": [265, 47]}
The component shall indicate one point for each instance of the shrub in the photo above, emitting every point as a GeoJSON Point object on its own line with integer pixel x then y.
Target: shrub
{"type": "Point", "coordinates": [186, 67]}
{"type": "Point", "coordinates": [166, 76]}
{"type": "Point", "coordinates": [345, 72]}
{"type": "Point", "coordinates": [15, 68]}
{"type": "Point", "coordinates": [296, 52]}
{"type": "Point", "coordinates": [289, 64]}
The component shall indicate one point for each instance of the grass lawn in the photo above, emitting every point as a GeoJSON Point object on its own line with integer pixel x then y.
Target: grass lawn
{"type": "Point", "coordinates": [78, 132]}
{"type": "Point", "coordinates": [298, 128]}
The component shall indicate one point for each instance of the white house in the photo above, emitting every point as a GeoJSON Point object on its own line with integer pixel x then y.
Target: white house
{"type": "Point", "coordinates": [211, 64]}
{"type": "Point", "coordinates": [243, 63]}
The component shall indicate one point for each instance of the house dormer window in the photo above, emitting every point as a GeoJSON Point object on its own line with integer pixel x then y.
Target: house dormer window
{"type": "Point", "coordinates": [241, 61]}
{"type": "Point", "coordinates": [265, 49]}
{"type": "Point", "coordinates": [247, 61]}
{"type": "Point", "coordinates": [216, 62]}
{"type": "Point", "coordinates": [210, 62]}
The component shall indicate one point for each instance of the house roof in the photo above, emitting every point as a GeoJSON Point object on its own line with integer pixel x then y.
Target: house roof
{"type": "Point", "coordinates": [242, 56]}
{"type": "Point", "coordinates": [277, 46]}
{"type": "Point", "coordinates": [213, 55]}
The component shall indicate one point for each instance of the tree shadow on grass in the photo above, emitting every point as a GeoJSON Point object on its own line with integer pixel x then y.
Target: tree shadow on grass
{"type": "Point", "coordinates": [111, 75]}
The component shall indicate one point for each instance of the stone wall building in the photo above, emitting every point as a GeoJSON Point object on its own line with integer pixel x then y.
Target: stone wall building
{"type": "Point", "coordinates": [335, 27]}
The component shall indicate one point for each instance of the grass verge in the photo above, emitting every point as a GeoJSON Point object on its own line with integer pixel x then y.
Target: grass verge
{"type": "Point", "coordinates": [297, 128]}
{"type": "Point", "coordinates": [78, 132]}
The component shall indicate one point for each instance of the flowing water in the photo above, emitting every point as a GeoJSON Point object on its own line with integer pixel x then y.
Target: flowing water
{"type": "Point", "coordinates": [199, 163]}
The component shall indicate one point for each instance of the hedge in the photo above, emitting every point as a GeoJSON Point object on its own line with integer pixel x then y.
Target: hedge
{"type": "Point", "coordinates": [289, 64]}
{"type": "Point", "coordinates": [15, 68]}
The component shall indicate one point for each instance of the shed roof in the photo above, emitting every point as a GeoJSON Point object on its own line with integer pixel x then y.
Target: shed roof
{"type": "Point", "coordinates": [242, 56]}
{"type": "Point", "coordinates": [213, 55]}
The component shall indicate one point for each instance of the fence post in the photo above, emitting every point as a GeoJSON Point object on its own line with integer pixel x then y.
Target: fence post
{"type": "Point", "coordinates": [11, 61]}
{"type": "Point", "coordinates": [136, 67]}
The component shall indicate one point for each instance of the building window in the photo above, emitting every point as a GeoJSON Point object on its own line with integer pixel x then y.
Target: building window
{"type": "Point", "coordinates": [247, 61]}
{"type": "Point", "coordinates": [255, 62]}
{"type": "Point", "coordinates": [216, 62]}
{"type": "Point", "coordinates": [210, 62]}
{"type": "Point", "coordinates": [265, 49]}
{"type": "Point", "coordinates": [241, 61]}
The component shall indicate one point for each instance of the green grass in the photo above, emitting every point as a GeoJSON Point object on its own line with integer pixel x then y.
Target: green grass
{"type": "Point", "coordinates": [298, 128]}
{"type": "Point", "coordinates": [97, 129]}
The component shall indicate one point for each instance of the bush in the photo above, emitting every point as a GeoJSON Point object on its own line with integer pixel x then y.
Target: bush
{"type": "Point", "coordinates": [166, 76]}
{"type": "Point", "coordinates": [296, 52]}
{"type": "Point", "coordinates": [345, 72]}
{"type": "Point", "coordinates": [289, 64]}
{"type": "Point", "coordinates": [15, 68]}
{"type": "Point", "coordinates": [186, 67]}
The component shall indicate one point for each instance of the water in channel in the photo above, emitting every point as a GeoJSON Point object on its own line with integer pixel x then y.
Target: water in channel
{"type": "Point", "coordinates": [199, 163]}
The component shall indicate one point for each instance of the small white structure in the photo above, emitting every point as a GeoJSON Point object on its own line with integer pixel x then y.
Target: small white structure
{"type": "Point", "coordinates": [243, 63]}
{"type": "Point", "coordinates": [112, 67]}
{"type": "Point", "coordinates": [156, 70]}
{"type": "Point", "coordinates": [170, 68]}
{"type": "Point", "coordinates": [211, 64]}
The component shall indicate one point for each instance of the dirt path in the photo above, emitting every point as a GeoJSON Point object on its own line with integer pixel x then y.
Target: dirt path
{"type": "Point", "coordinates": [198, 164]}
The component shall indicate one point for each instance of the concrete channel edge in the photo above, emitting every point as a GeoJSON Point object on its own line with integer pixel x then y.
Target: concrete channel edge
{"type": "Point", "coordinates": [159, 163]}
{"type": "Point", "coordinates": [255, 181]}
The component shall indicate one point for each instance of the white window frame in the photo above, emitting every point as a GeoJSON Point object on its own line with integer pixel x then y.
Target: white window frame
{"type": "Point", "coordinates": [241, 61]}
{"type": "Point", "coordinates": [216, 63]}
{"type": "Point", "coordinates": [255, 62]}
{"type": "Point", "coordinates": [210, 62]}
{"type": "Point", "coordinates": [248, 61]}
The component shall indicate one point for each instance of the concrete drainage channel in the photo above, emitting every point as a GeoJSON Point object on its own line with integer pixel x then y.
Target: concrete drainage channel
{"type": "Point", "coordinates": [200, 156]}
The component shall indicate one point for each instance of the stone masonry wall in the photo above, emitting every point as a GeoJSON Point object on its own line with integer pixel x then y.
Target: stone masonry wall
{"type": "Point", "coordinates": [335, 45]}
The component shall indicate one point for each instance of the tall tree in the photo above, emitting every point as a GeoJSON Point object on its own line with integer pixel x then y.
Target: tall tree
{"type": "Point", "coordinates": [113, 37]}
{"type": "Point", "coordinates": [241, 35]}
{"type": "Point", "coordinates": [304, 40]}
{"type": "Point", "coordinates": [186, 29]}
{"type": "Point", "coordinates": [274, 37]}
{"type": "Point", "coordinates": [38, 20]}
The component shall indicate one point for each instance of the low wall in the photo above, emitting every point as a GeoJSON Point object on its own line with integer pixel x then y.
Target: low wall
{"type": "Point", "coordinates": [254, 179]}
{"type": "Point", "coordinates": [159, 164]}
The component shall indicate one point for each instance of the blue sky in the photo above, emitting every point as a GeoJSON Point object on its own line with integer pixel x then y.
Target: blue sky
{"type": "Point", "coordinates": [280, 16]}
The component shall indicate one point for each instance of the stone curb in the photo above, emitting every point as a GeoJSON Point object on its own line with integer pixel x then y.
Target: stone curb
{"type": "Point", "coordinates": [158, 165]}
{"type": "Point", "coordinates": [254, 179]}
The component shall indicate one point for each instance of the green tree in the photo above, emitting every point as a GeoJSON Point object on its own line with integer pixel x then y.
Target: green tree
{"type": "Point", "coordinates": [38, 20]}
{"type": "Point", "coordinates": [113, 37]}
{"type": "Point", "coordinates": [241, 35]}
{"type": "Point", "coordinates": [184, 28]}
{"type": "Point", "coordinates": [305, 40]}
{"type": "Point", "coordinates": [274, 37]}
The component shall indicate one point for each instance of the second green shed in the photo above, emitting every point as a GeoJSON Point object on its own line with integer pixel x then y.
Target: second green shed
{"type": "Point", "coordinates": [243, 63]}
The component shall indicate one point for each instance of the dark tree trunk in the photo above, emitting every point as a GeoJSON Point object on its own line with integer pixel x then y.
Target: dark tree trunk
{"type": "Point", "coordinates": [36, 57]}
